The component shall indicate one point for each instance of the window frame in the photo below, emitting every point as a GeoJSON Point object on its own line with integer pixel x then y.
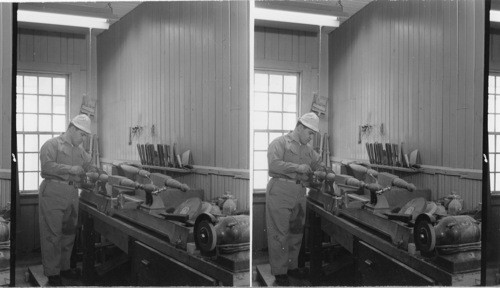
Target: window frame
{"type": "Point", "coordinates": [282, 72]}
{"type": "Point", "coordinates": [21, 154]}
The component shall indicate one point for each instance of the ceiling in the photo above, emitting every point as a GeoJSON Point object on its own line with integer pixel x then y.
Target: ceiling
{"type": "Point", "coordinates": [110, 10]}
{"type": "Point", "coordinates": [343, 9]}
{"type": "Point", "coordinates": [116, 10]}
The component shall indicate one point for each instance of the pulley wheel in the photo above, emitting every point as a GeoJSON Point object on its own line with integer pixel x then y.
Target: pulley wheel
{"type": "Point", "coordinates": [424, 236]}
{"type": "Point", "coordinates": [206, 237]}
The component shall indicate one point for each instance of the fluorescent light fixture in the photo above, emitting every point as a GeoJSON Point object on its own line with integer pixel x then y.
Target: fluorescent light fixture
{"type": "Point", "coordinates": [494, 15]}
{"type": "Point", "coordinates": [62, 19]}
{"type": "Point", "coordinates": [295, 17]}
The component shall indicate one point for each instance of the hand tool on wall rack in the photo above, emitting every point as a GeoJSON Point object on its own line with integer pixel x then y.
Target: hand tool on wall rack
{"type": "Point", "coordinates": [141, 157]}
{"type": "Point", "coordinates": [389, 153]}
{"type": "Point", "coordinates": [370, 158]}
{"type": "Point", "coordinates": [166, 150]}
{"type": "Point", "coordinates": [395, 151]}
{"type": "Point", "coordinates": [160, 155]}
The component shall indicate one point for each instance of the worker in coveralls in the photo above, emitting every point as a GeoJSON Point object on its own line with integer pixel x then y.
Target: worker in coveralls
{"type": "Point", "coordinates": [291, 161]}
{"type": "Point", "coordinates": [63, 163]}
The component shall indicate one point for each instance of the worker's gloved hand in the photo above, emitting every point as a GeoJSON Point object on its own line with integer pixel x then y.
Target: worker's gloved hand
{"type": "Point", "coordinates": [76, 170]}
{"type": "Point", "coordinates": [304, 169]}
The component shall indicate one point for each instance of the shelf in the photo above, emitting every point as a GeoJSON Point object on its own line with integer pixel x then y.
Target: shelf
{"type": "Point", "coordinates": [394, 168]}
{"type": "Point", "coordinates": [169, 169]}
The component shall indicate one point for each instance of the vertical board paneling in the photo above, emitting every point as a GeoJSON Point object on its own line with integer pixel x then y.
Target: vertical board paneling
{"type": "Point", "coordinates": [182, 67]}
{"type": "Point", "coordinates": [444, 185]}
{"type": "Point", "coordinates": [4, 193]}
{"type": "Point", "coordinates": [6, 84]}
{"type": "Point", "coordinates": [427, 80]}
{"type": "Point", "coordinates": [187, 83]}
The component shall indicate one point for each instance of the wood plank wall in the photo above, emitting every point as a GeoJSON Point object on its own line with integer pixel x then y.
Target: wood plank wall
{"type": "Point", "coordinates": [296, 51]}
{"type": "Point", "coordinates": [48, 51]}
{"type": "Point", "coordinates": [417, 68]}
{"type": "Point", "coordinates": [59, 52]}
{"type": "Point", "coordinates": [5, 101]}
{"type": "Point", "coordinates": [6, 76]}
{"type": "Point", "coordinates": [494, 51]}
{"type": "Point", "coordinates": [184, 68]}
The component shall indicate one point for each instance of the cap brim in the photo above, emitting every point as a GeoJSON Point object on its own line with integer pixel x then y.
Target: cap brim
{"type": "Point", "coordinates": [312, 128]}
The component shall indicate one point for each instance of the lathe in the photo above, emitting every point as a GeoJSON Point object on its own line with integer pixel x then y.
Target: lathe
{"type": "Point", "coordinates": [381, 219]}
{"type": "Point", "coordinates": [151, 217]}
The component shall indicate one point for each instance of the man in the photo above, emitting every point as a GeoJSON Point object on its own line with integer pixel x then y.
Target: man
{"type": "Point", "coordinates": [291, 161]}
{"type": "Point", "coordinates": [63, 163]}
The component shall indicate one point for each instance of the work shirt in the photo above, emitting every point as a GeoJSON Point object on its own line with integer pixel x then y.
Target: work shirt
{"type": "Point", "coordinates": [58, 155]}
{"type": "Point", "coordinates": [286, 153]}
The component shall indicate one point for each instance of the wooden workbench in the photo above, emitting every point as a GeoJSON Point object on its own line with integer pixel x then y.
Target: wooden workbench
{"type": "Point", "coordinates": [154, 261]}
{"type": "Point", "coordinates": [378, 261]}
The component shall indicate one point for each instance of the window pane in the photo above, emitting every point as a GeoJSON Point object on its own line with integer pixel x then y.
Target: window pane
{"type": "Point", "coordinates": [31, 143]}
{"type": "Point", "coordinates": [497, 148]}
{"type": "Point", "coordinates": [497, 104]}
{"type": "Point", "coordinates": [30, 104]}
{"type": "Point", "coordinates": [59, 124]}
{"type": "Point", "coordinates": [45, 104]}
{"type": "Point", "coordinates": [497, 84]}
{"type": "Point", "coordinates": [45, 123]}
{"type": "Point", "coordinates": [260, 120]}
{"type": "Point", "coordinates": [492, 162]}
{"type": "Point", "coordinates": [260, 141]}
{"type": "Point", "coordinates": [260, 102]}
{"type": "Point", "coordinates": [491, 122]}
{"type": "Point", "coordinates": [20, 161]}
{"type": "Point", "coordinates": [31, 162]}
{"type": "Point", "coordinates": [44, 85]}
{"type": "Point", "coordinates": [19, 122]}
{"type": "Point", "coordinates": [59, 86]}
{"type": "Point", "coordinates": [275, 102]}
{"type": "Point", "coordinates": [491, 143]}
{"type": "Point", "coordinates": [261, 83]}
{"type": "Point", "coordinates": [289, 121]}
{"type": "Point", "coordinates": [273, 136]}
{"type": "Point", "coordinates": [43, 139]}
{"type": "Point", "coordinates": [275, 121]}
{"type": "Point", "coordinates": [20, 143]}
{"type": "Point", "coordinates": [30, 84]}
{"type": "Point", "coordinates": [30, 122]}
{"type": "Point", "coordinates": [19, 84]}
{"type": "Point", "coordinates": [21, 180]}
{"type": "Point", "coordinates": [290, 82]}
{"type": "Point", "coordinates": [19, 103]}
{"type": "Point", "coordinates": [59, 105]}
{"type": "Point", "coordinates": [31, 181]}
{"type": "Point", "coordinates": [275, 83]}
{"type": "Point", "coordinates": [260, 160]}
{"type": "Point", "coordinates": [492, 182]}
{"type": "Point", "coordinates": [491, 84]}
{"type": "Point", "coordinates": [497, 162]}
{"type": "Point", "coordinates": [497, 181]}
{"type": "Point", "coordinates": [260, 179]}
{"type": "Point", "coordinates": [290, 103]}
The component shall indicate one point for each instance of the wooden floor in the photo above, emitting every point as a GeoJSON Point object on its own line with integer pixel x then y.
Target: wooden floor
{"type": "Point", "coordinates": [338, 271]}
{"type": "Point", "coordinates": [31, 263]}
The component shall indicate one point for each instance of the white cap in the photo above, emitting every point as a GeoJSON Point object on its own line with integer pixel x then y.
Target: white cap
{"type": "Point", "coordinates": [82, 122]}
{"type": "Point", "coordinates": [310, 120]}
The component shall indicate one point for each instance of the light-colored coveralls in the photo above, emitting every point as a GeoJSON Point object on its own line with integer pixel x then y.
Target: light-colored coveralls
{"type": "Point", "coordinates": [58, 202]}
{"type": "Point", "coordinates": [286, 201]}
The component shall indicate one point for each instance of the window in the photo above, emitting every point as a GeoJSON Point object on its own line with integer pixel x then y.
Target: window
{"type": "Point", "coordinates": [274, 114]}
{"type": "Point", "coordinates": [41, 114]}
{"type": "Point", "coordinates": [494, 131]}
